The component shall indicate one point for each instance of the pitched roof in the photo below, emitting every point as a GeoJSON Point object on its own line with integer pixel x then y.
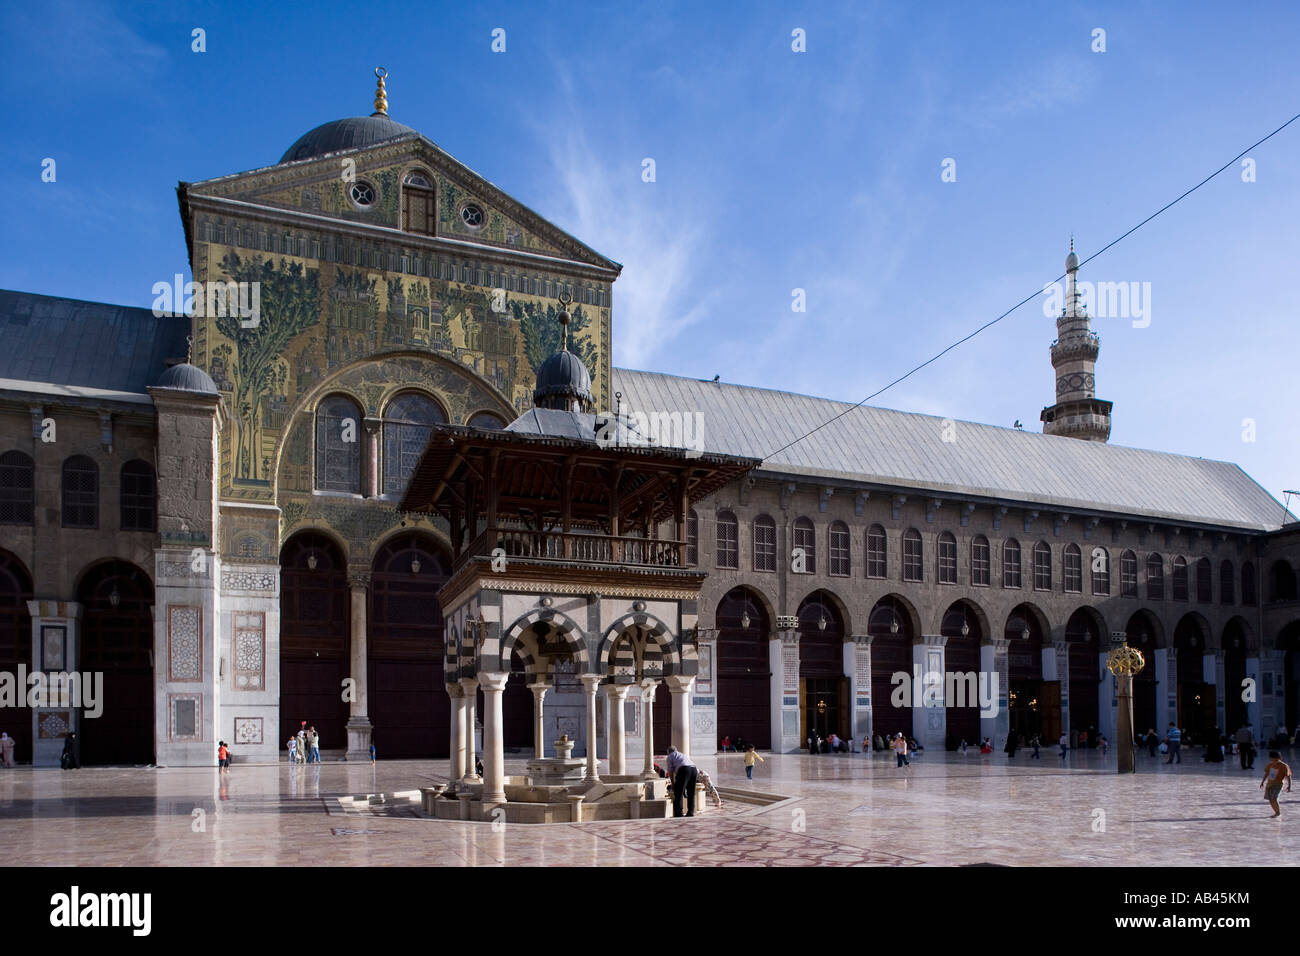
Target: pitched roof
{"type": "Point", "coordinates": [68, 342]}
{"type": "Point", "coordinates": [907, 450]}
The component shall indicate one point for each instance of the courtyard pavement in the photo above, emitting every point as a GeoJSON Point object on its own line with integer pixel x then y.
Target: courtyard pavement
{"type": "Point", "coordinates": [854, 809]}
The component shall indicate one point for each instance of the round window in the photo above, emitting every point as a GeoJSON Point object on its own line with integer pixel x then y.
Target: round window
{"type": "Point", "coordinates": [362, 193]}
{"type": "Point", "coordinates": [472, 215]}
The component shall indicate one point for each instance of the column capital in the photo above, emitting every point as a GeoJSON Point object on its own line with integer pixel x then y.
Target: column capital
{"type": "Point", "coordinates": [358, 580]}
{"type": "Point", "coordinates": [1000, 645]}
{"type": "Point", "coordinates": [680, 683]}
{"type": "Point", "coordinates": [862, 640]}
{"type": "Point", "coordinates": [617, 692]}
{"type": "Point", "coordinates": [539, 688]}
{"type": "Point", "coordinates": [590, 682]}
{"type": "Point", "coordinates": [648, 689]}
{"type": "Point", "coordinates": [788, 637]}
{"type": "Point", "coordinates": [493, 680]}
{"type": "Point", "coordinates": [469, 686]}
{"type": "Point", "coordinates": [454, 690]}
{"type": "Point", "coordinates": [932, 640]}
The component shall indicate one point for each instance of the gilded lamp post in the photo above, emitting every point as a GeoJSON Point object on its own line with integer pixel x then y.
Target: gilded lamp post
{"type": "Point", "coordinates": [1124, 661]}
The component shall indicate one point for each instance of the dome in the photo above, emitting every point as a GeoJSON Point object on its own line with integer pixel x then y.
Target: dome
{"type": "Point", "coordinates": [187, 378]}
{"type": "Point", "coordinates": [1071, 262]}
{"type": "Point", "coordinates": [344, 134]}
{"type": "Point", "coordinates": [562, 378]}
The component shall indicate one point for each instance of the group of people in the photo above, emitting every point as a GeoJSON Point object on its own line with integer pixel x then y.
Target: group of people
{"type": "Point", "coordinates": [834, 744]}
{"type": "Point", "coordinates": [305, 746]}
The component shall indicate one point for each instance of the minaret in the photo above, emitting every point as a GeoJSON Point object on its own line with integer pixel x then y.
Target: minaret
{"type": "Point", "coordinates": [1078, 413]}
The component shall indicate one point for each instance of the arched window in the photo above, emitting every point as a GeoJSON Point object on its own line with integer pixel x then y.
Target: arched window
{"type": "Point", "coordinates": [1011, 563]}
{"type": "Point", "coordinates": [408, 420]}
{"type": "Point", "coordinates": [947, 558]}
{"type": "Point", "coordinates": [877, 552]}
{"type": "Point", "coordinates": [1282, 583]}
{"type": "Point", "coordinates": [1204, 581]}
{"type": "Point", "coordinates": [80, 493]}
{"type": "Point", "coordinates": [913, 568]}
{"type": "Point", "coordinates": [1155, 577]}
{"type": "Point", "coordinates": [979, 561]}
{"type": "Point", "coordinates": [1226, 589]}
{"type": "Point", "coordinates": [338, 445]}
{"type": "Point", "coordinates": [839, 552]}
{"type": "Point", "coordinates": [1249, 594]}
{"type": "Point", "coordinates": [1180, 578]}
{"type": "Point", "coordinates": [764, 543]}
{"type": "Point", "coordinates": [486, 421]}
{"type": "Point", "coordinates": [1073, 569]}
{"type": "Point", "coordinates": [17, 490]}
{"type": "Point", "coordinates": [692, 538]}
{"type": "Point", "coordinates": [419, 208]}
{"type": "Point", "coordinates": [728, 554]}
{"type": "Point", "coordinates": [1100, 565]}
{"type": "Point", "coordinates": [1042, 566]}
{"type": "Point", "coordinates": [138, 496]}
{"type": "Point", "coordinates": [1128, 575]}
{"type": "Point", "coordinates": [805, 537]}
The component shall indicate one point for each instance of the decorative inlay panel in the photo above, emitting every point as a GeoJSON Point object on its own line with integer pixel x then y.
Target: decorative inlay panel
{"type": "Point", "coordinates": [249, 650]}
{"type": "Point", "coordinates": [248, 730]}
{"type": "Point", "coordinates": [184, 643]}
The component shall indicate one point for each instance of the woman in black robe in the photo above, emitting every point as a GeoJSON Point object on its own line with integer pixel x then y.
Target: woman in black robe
{"type": "Point", "coordinates": [71, 759]}
{"type": "Point", "coordinates": [1213, 747]}
{"type": "Point", "coordinates": [1013, 741]}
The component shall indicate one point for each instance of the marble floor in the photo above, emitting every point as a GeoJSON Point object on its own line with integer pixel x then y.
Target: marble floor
{"type": "Point", "coordinates": [846, 810]}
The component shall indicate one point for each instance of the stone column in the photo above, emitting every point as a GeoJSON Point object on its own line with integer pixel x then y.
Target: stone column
{"type": "Point", "coordinates": [785, 695]}
{"type": "Point", "coordinates": [1253, 710]}
{"type": "Point", "coordinates": [775, 685]}
{"type": "Point", "coordinates": [539, 690]}
{"type": "Point", "coordinates": [993, 660]}
{"type": "Point", "coordinates": [494, 753]}
{"type": "Point", "coordinates": [469, 690]}
{"type": "Point", "coordinates": [373, 481]}
{"type": "Point", "coordinates": [1108, 701]}
{"type": "Point", "coordinates": [591, 684]}
{"type": "Point", "coordinates": [617, 746]}
{"type": "Point", "coordinates": [930, 713]}
{"type": "Point", "coordinates": [358, 726]}
{"type": "Point", "coordinates": [648, 722]}
{"type": "Point", "coordinates": [456, 701]}
{"type": "Point", "coordinates": [1212, 673]}
{"type": "Point", "coordinates": [1165, 661]}
{"type": "Point", "coordinates": [680, 687]}
{"type": "Point", "coordinates": [857, 665]}
{"type": "Point", "coordinates": [51, 724]}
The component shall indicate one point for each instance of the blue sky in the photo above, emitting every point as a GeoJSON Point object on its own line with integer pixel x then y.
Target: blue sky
{"type": "Point", "coordinates": [775, 170]}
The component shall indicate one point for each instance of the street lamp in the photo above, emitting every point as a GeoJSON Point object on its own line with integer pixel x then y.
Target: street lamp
{"type": "Point", "coordinates": [744, 620]}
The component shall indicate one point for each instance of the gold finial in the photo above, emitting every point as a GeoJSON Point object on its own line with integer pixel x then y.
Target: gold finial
{"type": "Point", "coordinates": [1125, 661]}
{"type": "Point", "coordinates": [1071, 242]}
{"type": "Point", "coordinates": [563, 317]}
{"type": "Point", "coordinates": [381, 95]}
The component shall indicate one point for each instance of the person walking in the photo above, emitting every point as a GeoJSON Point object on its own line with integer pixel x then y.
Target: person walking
{"type": "Point", "coordinates": [292, 744]}
{"type": "Point", "coordinates": [684, 774]}
{"type": "Point", "coordinates": [1174, 738]}
{"type": "Point", "coordinates": [223, 757]}
{"type": "Point", "coordinates": [71, 759]}
{"type": "Point", "coordinates": [1275, 771]}
{"type": "Point", "coordinates": [1152, 741]}
{"type": "Point", "coordinates": [1102, 743]}
{"type": "Point", "coordinates": [372, 752]}
{"type": "Point", "coordinates": [315, 745]}
{"type": "Point", "coordinates": [900, 751]}
{"type": "Point", "coordinates": [1246, 746]}
{"type": "Point", "coordinates": [1013, 741]}
{"type": "Point", "coordinates": [7, 749]}
{"type": "Point", "coordinates": [1033, 742]}
{"type": "Point", "coordinates": [1065, 744]}
{"type": "Point", "coordinates": [751, 756]}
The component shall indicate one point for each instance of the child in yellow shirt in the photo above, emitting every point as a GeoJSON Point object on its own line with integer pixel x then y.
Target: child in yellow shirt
{"type": "Point", "coordinates": [750, 756]}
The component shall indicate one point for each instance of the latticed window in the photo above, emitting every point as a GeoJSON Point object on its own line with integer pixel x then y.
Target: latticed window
{"type": "Point", "coordinates": [1100, 571]}
{"type": "Point", "coordinates": [728, 540]}
{"type": "Point", "coordinates": [17, 488]}
{"type": "Point", "coordinates": [1180, 579]}
{"type": "Point", "coordinates": [408, 420]}
{"type": "Point", "coordinates": [1011, 563]}
{"type": "Point", "coordinates": [979, 561]}
{"type": "Point", "coordinates": [764, 544]}
{"type": "Point", "coordinates": [338, 445]}
{"type": "Point", "coordinates": [805, 539]}
{"type": "Point", "coordinates": [840, 563]}
{"type": "Point", "coordinates": [692, 538]}
{"type": "Point", "coordinates": [138, 496]}
{"type": "Point", "coordinates": [1128, 575]}
{"type": "Point", "coordinates": [1042, 567]}
{"type": "Point", "coordinates": [1204, 581]}
{"type": "Point", "coordinates": [1073, 569]}
{"type": "Point", "coordinates": [877, 552]}
{"type": "Point", "coordinates": [947, 558]}
{"type": "Point", "coordinates": [1226, 590]}
{"type": "Point", "coordinates": [1155, 577]}
{"type": "Point", "coordinates": [1249, 595]}
{"type": "Point", "coordinates": [913, 569]}
{"type": "Point", "coordinates": [80, 493]}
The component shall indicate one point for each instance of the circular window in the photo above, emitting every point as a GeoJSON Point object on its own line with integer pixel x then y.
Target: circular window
{"type": "Point", "coordinates": [472, 215]}
{"type": "Point", "coordinates": [362, 193]}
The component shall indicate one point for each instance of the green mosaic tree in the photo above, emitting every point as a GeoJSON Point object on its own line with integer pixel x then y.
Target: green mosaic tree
{"type": "Point", "coordinates": [542, 333]}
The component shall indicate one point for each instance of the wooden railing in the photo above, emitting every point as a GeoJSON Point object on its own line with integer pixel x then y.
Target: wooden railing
{"type": "Point", "coordinates": [582, 548]}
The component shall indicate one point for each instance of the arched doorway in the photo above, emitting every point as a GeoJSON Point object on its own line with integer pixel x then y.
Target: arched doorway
{"type": "Point", "coordinates": [117, 640]}
{"type": "Point", "coordinates": [1142, 632]}
{"type": "Point", "coordinates": [315, 638]}
{"type": "Point", "coordinates": [964, 632]}
{"type": "Point", "coordinates": [892, 633]}
{"type": "Point", "coordinates": [1084, 646]}
{"type": "Point", "coordinates": [1034, 708]}
{"type": "Point", "coordinates": [1196, 713]}
{"type": "Point", "coordinates": [823, 688]}
{"type": "Point", "coordinates": [16, 648]}
{"type": "Point", "coordinates": [405, 695]}
{"type": "Point", "coordinates": [1234, 675]}
{"type": "Point", "coordinates": [743, 669]}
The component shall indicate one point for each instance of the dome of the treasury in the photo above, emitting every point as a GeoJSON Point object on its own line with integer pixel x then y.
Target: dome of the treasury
{"type": "Point", "coordinates": [350, 133]}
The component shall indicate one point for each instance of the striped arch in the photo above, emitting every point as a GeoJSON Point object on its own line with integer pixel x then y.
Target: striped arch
{"type": "Point", "coordinates": [563, 626]}
{"type": "Point", "coordinates": [661, 654]}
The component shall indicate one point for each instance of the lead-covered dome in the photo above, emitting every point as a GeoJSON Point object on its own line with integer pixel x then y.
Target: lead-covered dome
{"type": "Point", "coordinates": [187, 378]}
{"type": "Point", "coordinates": [344, 134]}
{"type": "Point", "coordinates": [561, 379]}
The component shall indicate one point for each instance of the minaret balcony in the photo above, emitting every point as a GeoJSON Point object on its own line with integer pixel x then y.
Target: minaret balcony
{"type": "Point", "coordinates": [1086, 345]}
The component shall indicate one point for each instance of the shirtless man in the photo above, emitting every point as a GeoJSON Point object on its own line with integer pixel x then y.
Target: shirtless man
{"type": "Point", "coordinates": [1275, 771]}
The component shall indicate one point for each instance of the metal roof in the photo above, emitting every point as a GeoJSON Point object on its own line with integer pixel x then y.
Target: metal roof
{"type": "Point", "coordinates": [882, 446]}
{"type": "Point", "coordinates": [68, 342]}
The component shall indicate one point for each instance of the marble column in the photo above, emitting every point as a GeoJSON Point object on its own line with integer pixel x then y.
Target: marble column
{"type": "Point", "coordinates": [617, 746]}
{"type": "Point", "coordinates": [1253, 709]}
{"type": "Point", "coordinates": [1212, 673]}
{"type": "Point", "coordinates": [374, 481]}
{"type": "Point", "coordinates": [930, 713]}
{"type": "Point", "coordinates": [494, 753]}
{"type": "Point", "coordinates": [539, 690]}
{"type": "Point", "coordinates": [648, 722]}
{"type": "Point", "coordinates": [857, 665]}
{"type": "Point", "coordinates": [680, 687]}
{"type": "Point", "coordinates": [993, 660]}
{"type": "Point", "coordinates": [469, 688]}
{"type": "Point", "coordinates": [358, 725]}
{"type": "Point", "coordinates": [590, 685]}
{"type": "Point", "coordinates": [50, 724]}
{"type": "Point", "coordinates": [456, 700]}
{"type": "Point", "coordinates": [1165, 661]}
